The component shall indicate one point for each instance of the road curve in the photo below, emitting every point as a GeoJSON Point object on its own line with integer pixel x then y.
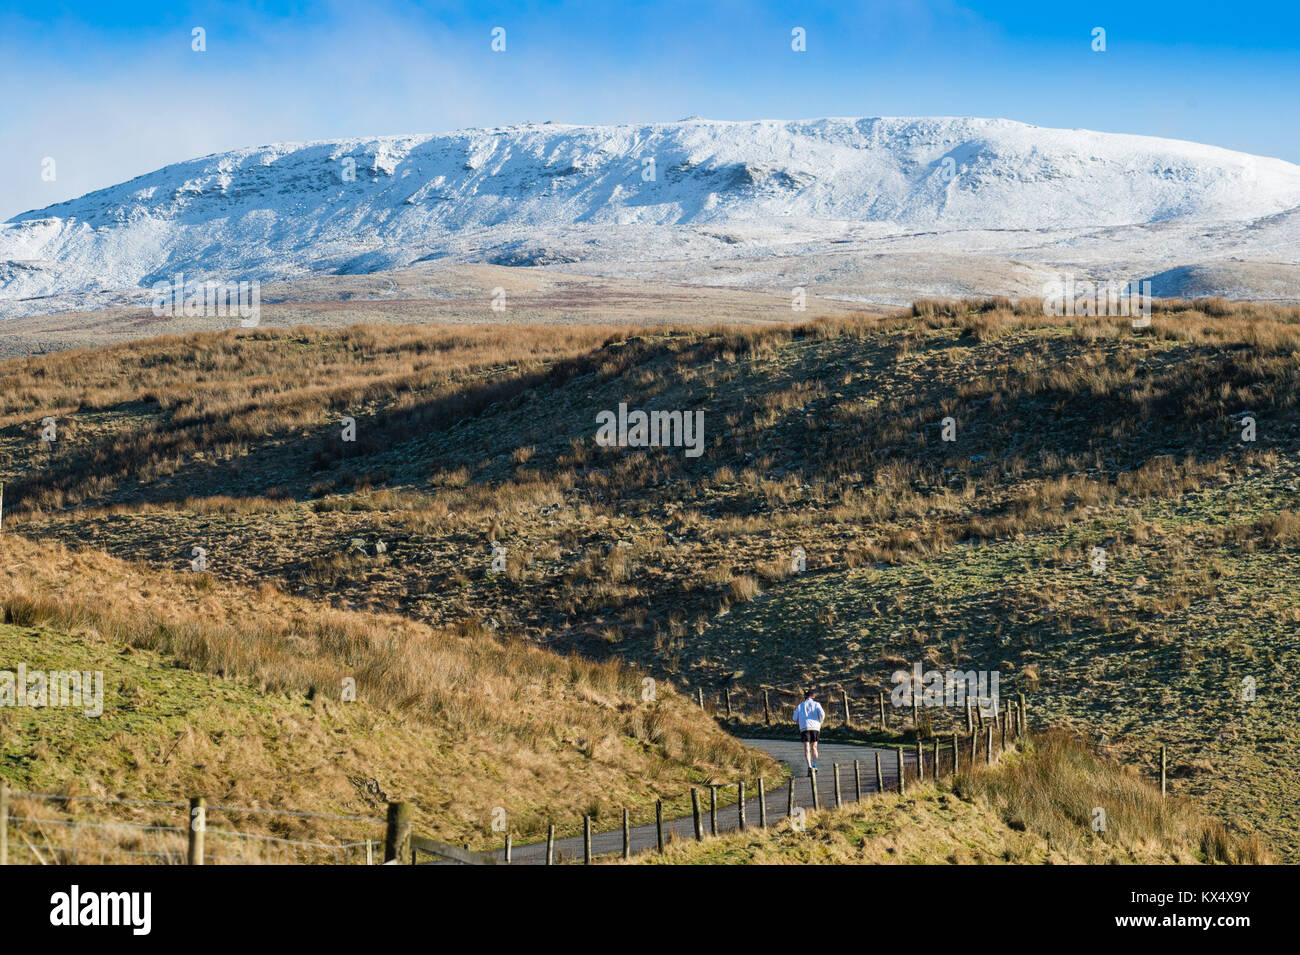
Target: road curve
{"type": "Point", "coordinates": [788, 751]}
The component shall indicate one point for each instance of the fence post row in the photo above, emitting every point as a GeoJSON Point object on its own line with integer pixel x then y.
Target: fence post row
{"type": "Point", "coordinates": [397, 837]}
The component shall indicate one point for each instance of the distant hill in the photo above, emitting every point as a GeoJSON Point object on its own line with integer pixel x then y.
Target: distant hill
{"type": "Point", "coordinates": [693, 191]}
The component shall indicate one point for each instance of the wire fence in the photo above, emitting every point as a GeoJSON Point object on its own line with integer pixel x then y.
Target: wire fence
{"type": "Point", "coordinates": [54, 829]}
{"type": "Point", "coordinates": [60, 829]}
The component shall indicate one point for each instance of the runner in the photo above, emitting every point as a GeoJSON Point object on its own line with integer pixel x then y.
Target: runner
{"type": "Point", "coordinates": [809, 715]}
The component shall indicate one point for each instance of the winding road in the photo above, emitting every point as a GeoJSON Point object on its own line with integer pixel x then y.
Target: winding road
{"type": "Point", "coordinates": [788, 751]}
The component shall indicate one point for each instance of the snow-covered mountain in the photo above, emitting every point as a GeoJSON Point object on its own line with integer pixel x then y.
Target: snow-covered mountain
{"type": "Point", "coordinates": [553, 194]}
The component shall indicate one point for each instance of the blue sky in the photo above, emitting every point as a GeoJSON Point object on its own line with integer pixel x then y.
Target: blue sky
{"type": "Point", "coordinates": [112, 90]}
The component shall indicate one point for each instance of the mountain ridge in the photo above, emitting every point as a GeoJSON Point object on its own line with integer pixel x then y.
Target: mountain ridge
{"type": "Point", "coordinates": [550, 194]}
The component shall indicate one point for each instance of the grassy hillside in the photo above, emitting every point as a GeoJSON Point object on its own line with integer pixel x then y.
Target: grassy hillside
{"type": "Point", "coordinates": [1035, 806]}
{"type": "Point", "coordinates": [1071, 434]}
{"type": "Point", "coordinates": [238, 695]}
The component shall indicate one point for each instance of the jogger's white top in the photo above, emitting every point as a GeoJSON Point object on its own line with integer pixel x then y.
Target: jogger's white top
{"type": "Point", "coordinates": [809, 715]}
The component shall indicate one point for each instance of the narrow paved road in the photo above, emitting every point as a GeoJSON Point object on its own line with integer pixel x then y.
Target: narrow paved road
{"type": "Point", "coordinates": [788, 751]}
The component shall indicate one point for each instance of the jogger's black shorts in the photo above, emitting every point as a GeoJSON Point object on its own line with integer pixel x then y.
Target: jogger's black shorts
{"type": "Point", "coordinates": [809, 736]}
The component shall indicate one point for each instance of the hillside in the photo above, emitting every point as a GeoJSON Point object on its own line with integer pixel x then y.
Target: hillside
{"type": "Point", "coordinates": [693, 195]}
{"type": "Point", "coordinates": [1071, 434]}
{"type": "Point", "coordinates": [238, 694]}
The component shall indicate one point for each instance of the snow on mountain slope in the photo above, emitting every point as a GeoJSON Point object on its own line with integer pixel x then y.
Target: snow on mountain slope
{"type": "Point", "coordinates": [542, 194]}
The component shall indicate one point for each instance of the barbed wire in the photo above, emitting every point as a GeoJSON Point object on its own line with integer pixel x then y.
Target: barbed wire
{"type": "Point", "coordinates": [294, 812]}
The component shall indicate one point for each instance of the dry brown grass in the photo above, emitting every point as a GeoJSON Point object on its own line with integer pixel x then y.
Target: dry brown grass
{"type": "Point", "coordinates": [1034, 806]}
{"type": "Point", "coordinates": [561, 734]}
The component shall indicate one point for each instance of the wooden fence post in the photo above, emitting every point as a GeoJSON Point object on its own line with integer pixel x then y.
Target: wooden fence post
{"type": "Point", "coordinates": [812, 779]}
{"type": "Point", "coordinates": [713, 810]}
{"type": "Point", "coordinates": [659, 825]}
{"type": "Point", "coordinates": [920, 760]}
{"type": "Point", "coordinates": [857, 782]}
{"type": "Point", "coordinates": [848, 714]}
{"type": "Point", "coordinates": [740, 804]}
{"type": "Point", "coordinates": [700, 691]}
{"type": "Point", "coordinates": [916, 707]}
{"type": "Point", "coordinates": [974, 748]}
{"type": "Point", "coordinates": [695, 814]}
{"type": "Point", "coordinates": [880, 698]}
{"type": "Point", "coordinates": [835, 770]}
{"type": "Point", "coordinates": [988, 746]}
{"type": "Point", "coordinates": [199, 823]}
{"type": "Point", "coordinates": [550, 844]}
{"type": "Point", "coordinates": [767, 709]}
{"type": "Point", "coordinates": [902, 774]}
{"type": "Point", "coordinates": [1164, 774]}
{"type": "Point", "coordinates": [935, 744]}
{"type": "Point", "coordinates": [627, 834]}
{"type": "Point", "coordinates": [509, 846]}
{"type": "Point", "coordinates": [880, 775]}
{"type": "Point", "coordinates": [789, 800]}
{"type": "Point", "coordinates": [397, 836]}
{"type": "Point", "coordinates": [1024, 715]}
{"type": "Point", "coordinates": [1004, 733]}
{"type": "Point", "coordinates": [728, 695]}
{"type": "Point", "coordinates": [4, 822]}
{"type": "Point", "coordinates": [762, 804]}
{"type": "Point", "coordinates": [586, 840]}
{"type": "Point", "coordinates": [955, 758]}
{"type": "Point", "coordinates": [970, 720]}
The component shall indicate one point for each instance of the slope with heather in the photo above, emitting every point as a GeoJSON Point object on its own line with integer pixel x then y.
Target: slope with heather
{"type": "Point", "coordinates": [1071, 434]}
{"type": "Point", "coordinates": [260, 700]}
